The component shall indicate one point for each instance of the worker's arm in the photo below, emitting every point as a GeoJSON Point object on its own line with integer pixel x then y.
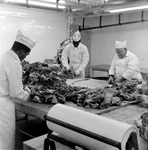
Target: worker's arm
{"type": "Point", "coordinates": [14, 74]}
{"type": "Point", "coordinates": [132, 66]}
{"type": "Point", "coordinates": [112, 67]}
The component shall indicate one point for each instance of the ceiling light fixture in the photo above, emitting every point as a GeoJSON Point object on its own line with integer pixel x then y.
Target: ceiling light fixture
{"type": "Point", "coordinates": [128, 9]}
{"type": "Point", "coordinates": [54, 1]}
{"type": "Point", "coordinates": [16, 1]}
{"type": "Point", "coordinates": [35, 3]}
{"type": "Point", "coordinates": [41, 3]}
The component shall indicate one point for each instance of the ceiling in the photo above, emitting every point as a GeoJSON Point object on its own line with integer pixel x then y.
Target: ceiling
{"type": "Point", "coordinates": [102, 7]}
{"type": "Point", "coordinates": [79, 8]}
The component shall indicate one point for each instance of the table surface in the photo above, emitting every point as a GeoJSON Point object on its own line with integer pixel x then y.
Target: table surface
{"type": "Point", "coordinates": [128, 114]}
{"type": "Point", "coordinates": [125, 113]}
{"type": "Point", "coordinates": [39, 110]}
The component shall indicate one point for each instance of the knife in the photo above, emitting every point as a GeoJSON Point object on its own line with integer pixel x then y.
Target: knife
{"type": "Point", "coordinates": [81, 80]}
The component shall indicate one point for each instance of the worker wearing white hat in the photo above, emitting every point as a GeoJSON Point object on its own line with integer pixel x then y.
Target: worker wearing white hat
{"type": "Point", "coordinates": [125, 65]}
{"type": "Point", "coordinates": [78, 56]}
{"type": "Point", "coordinates": [11, 88]}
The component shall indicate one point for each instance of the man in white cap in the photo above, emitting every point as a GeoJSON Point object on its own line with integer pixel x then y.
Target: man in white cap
{"type": "Point", "coordinates": [124, 66]}
{"type": "Point", "coordinates": [11, 88]}
{"type": "Point", "coordinates": [77, 54]}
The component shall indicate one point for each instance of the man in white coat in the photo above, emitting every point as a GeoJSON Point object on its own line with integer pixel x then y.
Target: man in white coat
{"type": "Point", "coordinates": [125, 65]}
{"type": "Point", "coordinates": [77, 54]}
{"type": "Point", "coordinates": [11, 88]}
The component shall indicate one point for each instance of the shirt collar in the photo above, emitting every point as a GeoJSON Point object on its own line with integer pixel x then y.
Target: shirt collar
{"type": "Point", "coordinates": [13, 54]}
{"type": "Point", "coordinates": [127, 53]}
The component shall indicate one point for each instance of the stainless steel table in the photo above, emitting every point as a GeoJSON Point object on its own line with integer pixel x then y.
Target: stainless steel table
{"type": "Point", "coordinates": [38, 110]}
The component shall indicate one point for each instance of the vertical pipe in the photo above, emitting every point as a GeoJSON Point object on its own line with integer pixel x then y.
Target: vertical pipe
{"type": "Point", "coordinates": [83, 23]}
{"type": "Point", "coordinates": [57, 3]}
{"type": "Point", "coordinates": [142, 15]}
{"type": "Point", "coordinates": [69, 22]}
{"type": "Point", "coordinates": [100, 23]}
{"type": "Point", "coordinates": [80, 28]}
{"type": "Point", "coordinates": [27, 5]}
{"type": "Point", "coordinates": [120, 19]}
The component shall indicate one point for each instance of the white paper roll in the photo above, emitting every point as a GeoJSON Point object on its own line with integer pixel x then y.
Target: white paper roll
{"type": "Point", "coordinates": [109, 128]}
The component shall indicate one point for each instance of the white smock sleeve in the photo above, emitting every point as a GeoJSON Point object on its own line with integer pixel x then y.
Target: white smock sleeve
{"type": "Point", "coordinates": [131, 67]}
{"type": "Point", "coordinates": [14, 75]}
{"type": "Point", "coordinates": [112, 67]}
{"type": "Point", "coordinates": [64, 57]}
{"type": "Point", "coordinates": [85, 59]}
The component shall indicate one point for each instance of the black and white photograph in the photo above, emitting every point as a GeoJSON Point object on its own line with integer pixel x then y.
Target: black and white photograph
{"type": "Point", "coordinates": [73, 74]}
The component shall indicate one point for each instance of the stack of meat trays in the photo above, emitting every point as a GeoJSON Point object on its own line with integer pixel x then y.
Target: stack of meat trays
{"type": "Point", "coordinates": [143, 129]}
{"type": "Point", "coordinates": [142, 125]}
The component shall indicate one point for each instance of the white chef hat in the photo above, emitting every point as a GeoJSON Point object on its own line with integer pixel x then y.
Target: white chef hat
{"type": "Point", "coordinates": [120, 44]}
{"type": "Point", "coordinates": [24, 40]}
{"type": "Point", "coordinates": [77, 36]}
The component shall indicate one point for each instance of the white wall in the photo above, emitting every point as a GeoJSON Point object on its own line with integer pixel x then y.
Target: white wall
{"type": "Point", "coordinates": [47, 27]}
{"type": "Point", "coordinates": [103, 39]}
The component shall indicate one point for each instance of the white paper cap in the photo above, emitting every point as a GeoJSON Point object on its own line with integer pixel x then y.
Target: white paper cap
{"type": "Point", "coordinates": [120, 44]}
{"type": "Point", "coordinates": [77, 36]}
{"type": "Point", "coordinates": [24, 40]}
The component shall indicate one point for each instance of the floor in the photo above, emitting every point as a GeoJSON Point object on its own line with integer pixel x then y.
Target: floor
{"type": "Point", "coordinates": [26, 130]}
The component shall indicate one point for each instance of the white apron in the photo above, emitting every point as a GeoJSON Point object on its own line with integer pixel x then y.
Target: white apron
{"type": "Point", "coordinates": [121, 67]}
{"type": "Point", "coordinates": [7, 124]}
{"type": "Point", "coordinates": [75, 66]}
{"type": "Point", "coordinates": [78, 58]}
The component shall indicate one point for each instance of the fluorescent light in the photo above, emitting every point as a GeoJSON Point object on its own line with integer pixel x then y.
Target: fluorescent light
{"type": "Point", "coordinates": [24, 1]}
{"type": "Point", "coordinates": [17, 1]}
{"type": "Point", "coordinates": [45, 4]}
{"type": "Point", "coordinates": [41, 3]}
{"type": "Point", "coordinates": [128, 9]}
{"type": "Point", "coordinates": [54, 1]}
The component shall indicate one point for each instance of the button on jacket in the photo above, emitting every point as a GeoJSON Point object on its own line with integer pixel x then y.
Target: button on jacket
{"type": "Point", "coordinates": [11, 88]}
{"type": "Point", "coordinates": [128, 67]}
{"type": "Point", "coordinates": [78, 56]}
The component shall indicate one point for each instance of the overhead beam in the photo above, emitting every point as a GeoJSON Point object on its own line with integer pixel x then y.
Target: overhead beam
{"type": "Point", "coordinates": [111, 25]}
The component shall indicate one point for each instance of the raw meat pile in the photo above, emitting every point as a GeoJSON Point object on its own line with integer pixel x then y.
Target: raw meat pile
{"type": "Point", "coordinates": [106, 97]}
{"type": "Point", "coordinates": [48, 86]}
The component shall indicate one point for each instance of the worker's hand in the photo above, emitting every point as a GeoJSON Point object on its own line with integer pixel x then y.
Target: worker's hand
{"type": "Point", "coordinates": [27, 89]}
{"type": "Point", "coordinates": [77, 72]}
{"type": "Point", "coordinates": [111, 80]}
{"type": "Point", "coordinates": [68, 68]}
{"type": "Point", "coordinates": [119, 80]}
{"type": "Point", "coordinates": [28, 99]}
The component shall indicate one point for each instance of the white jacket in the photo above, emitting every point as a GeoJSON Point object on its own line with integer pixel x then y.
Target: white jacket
{"type": "Point", "coordinates": [10, 87]}
{"type": "Point", "coordinates": [128, 67]}
{"type": "Point", "coordinates": [79, 57]}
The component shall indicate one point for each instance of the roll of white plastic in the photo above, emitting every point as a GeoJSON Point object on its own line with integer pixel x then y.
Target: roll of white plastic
{"type": "Point", "coordinates": [102, 126]}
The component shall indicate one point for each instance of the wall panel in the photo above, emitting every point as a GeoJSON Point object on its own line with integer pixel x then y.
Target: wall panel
{"type": "Point", "coordinates": [103, 42]}
{"type": "Point", "coordinates": [47, 27]}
